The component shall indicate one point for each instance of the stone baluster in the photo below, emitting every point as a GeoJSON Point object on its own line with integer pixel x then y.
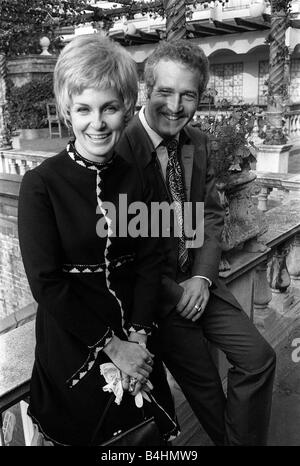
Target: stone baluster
{"type": "Point", "coordinates": [291, 125]}
{"type": "Point", "coordinates": [12, 166]}
{"type": "Point", "coordinates": [294, 125]}
{"type": "Point", "coordinates": [263, 313]}
{"type": "Point", "coordinates": [22, 167]}
{"type": "Point", "coordinates": [293, 262]}
{"type": "Point", "coordinates": [297, 125]}
{"type": "Point", "coordinates": [279, 280]}
{"type": "Point", "coordinates": [263, 198]}
{"type": "Point", "coordinates": [5, 165]}
{"type": "Point", "coordinates": [2, 164]}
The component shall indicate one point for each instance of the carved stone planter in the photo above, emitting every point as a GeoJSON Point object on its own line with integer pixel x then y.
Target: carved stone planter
{"type": "Point", "coordinates": [244, 223]}
{"type": "Point", "coordinates": [273, 158]}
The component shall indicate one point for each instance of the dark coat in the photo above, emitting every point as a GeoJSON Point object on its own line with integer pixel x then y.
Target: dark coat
{"type": "Point", "coordinates": [200, 186]}
{"type": "Point", "coordinates": [66, 268]}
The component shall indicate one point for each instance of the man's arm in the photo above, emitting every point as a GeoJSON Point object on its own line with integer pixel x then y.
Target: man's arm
{"type": "Point", "coordinates": [206, 259]}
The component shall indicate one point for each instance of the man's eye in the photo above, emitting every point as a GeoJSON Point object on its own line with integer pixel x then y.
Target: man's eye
{"type": "Point", "coordinates": [165, 92]}
{"type": "Point", "coordinates": [190, 96]}
{"type": "Point", "coordinates": [111, 109]}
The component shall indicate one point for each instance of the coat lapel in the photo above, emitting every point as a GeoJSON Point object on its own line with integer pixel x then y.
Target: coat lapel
{"type": "Point", "coordinates": [187, 159]}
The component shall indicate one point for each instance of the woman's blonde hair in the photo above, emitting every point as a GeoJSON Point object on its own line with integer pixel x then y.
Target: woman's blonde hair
{"type": "Point", "coordinates": [94, 61]}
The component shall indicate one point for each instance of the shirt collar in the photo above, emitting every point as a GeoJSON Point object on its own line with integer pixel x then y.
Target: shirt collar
{"type": "Point", "coordinates": [155, 138]}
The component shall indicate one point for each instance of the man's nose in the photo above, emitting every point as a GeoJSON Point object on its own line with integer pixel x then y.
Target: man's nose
{"type": "Point", "coordinates": [98, 121]}
{"type": "Point", "coordinates": [174, 103]}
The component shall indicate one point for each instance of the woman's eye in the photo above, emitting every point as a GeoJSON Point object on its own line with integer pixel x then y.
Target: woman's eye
{"type": "Point", "coordinates": [82, 110]}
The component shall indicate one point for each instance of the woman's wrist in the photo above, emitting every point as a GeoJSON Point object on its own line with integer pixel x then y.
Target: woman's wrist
{"type": "Point", "coordinates": [112, 347]}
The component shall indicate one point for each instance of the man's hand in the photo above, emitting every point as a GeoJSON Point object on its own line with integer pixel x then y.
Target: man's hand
{"type": "Point", "coordinates": [194, 298]}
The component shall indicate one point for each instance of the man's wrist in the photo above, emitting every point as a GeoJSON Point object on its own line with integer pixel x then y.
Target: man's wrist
{"type": "Point", "coordinates": [205, 278]}
{"type": "Point", "coordinates": [138, 337]}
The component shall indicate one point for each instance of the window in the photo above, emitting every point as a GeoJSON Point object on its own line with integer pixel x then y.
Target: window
{"type": "Point", "coordinates": [295, 80]}
{"type": "Point", "coordinates": [263, 76]}
{"type": "Point", "coordinates": [227, 80]}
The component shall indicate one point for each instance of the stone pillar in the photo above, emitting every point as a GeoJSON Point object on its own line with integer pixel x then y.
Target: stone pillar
{"type": "Point", "coordinates": [263, 313]}
{"type": "Point", "coordinates": [175, 19]}
{"type": "Point", "coordinates": [277, 84]}
{"type": "Point", "coordinates": [5, 142]}
{"type": "Point", "coordinates": [273, 158]}
{"type": "Point", "coordinates": [279, 280]}
{"type": "Point", "coordinates": [293, 262]}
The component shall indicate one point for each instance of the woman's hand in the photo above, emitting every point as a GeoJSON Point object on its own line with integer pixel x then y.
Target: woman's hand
{"type": "Point", "coordinates": [132, 359]}
{"type": "Point", "coordinates": [141, 339]}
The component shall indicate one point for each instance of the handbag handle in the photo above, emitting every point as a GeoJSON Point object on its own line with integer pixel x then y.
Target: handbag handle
{"type": "Point", "coordinates": [101, 420]}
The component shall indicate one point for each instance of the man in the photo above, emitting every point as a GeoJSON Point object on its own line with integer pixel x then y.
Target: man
{"type": "Point", "coordinates": [195, 306]}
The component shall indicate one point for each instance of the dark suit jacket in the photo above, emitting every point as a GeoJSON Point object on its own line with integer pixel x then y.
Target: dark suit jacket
{"type": "Point", "coordinates": [200, 186]}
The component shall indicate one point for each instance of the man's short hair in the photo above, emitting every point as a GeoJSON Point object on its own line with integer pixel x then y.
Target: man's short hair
{"type": "Point", "coordinates": [182, 51]}
{"type": "Point", "coordinates": [94, 61]}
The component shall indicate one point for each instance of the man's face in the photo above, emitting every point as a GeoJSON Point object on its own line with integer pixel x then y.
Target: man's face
{"type": "Point", "coordinates": [174, 98]}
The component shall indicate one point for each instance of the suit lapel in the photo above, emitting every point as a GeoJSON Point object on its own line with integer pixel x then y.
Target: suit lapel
{"type": "Point", "coordinates": [140, 142]}
{"type": "Point", "coordinates": [187, 159]}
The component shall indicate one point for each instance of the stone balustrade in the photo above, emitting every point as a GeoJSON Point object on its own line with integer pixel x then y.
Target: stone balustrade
{"type": "Point", "coordinates": [17, 162]}
{"type": "Point", "coordinates": [277, 289]}
{"type": "Point", "coordinates": [276, 187]}
{"type": "Point", "coordinates": [293, 125]}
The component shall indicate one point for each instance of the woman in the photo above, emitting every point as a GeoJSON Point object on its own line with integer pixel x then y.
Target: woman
{"type": "Point", "coordinates": [96, 289]}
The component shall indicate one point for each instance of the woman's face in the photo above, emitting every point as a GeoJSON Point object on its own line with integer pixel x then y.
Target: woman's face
{"type": "Point", "coordinates": [97, 118]}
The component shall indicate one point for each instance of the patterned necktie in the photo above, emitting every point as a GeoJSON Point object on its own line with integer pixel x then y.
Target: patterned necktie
{"type": "Point", "coordinates": [174, 180]}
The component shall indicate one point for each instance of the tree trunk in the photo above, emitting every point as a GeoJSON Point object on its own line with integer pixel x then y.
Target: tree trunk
{"type": "Point", "coordinates": [175, 19]}
{"type": "Point", "coordinates": [5, 142]}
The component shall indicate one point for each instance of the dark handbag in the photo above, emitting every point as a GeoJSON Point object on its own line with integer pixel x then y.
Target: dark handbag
{"type": "Point", "coordinates": [145, 433]}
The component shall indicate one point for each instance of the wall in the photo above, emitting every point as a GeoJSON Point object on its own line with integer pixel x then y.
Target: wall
{"type": "Point", "coordinates": [250, 69]}
{"type": "Point", "coordinates": [26, 68]}
{"type": "Point", "coordinates": [14, 290]}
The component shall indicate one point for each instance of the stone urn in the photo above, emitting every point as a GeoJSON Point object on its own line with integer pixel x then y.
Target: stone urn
{"type": "Point", "coordinates": [244, 223]}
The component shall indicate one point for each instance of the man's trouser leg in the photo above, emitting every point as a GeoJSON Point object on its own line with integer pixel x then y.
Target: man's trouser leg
{"type": "Point", "coordinates": [186, 354]}
{"type": "Point", "coordinates": [251, 377]}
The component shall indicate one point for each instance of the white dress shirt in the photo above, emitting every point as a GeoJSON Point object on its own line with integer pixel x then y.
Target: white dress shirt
{"type": "Point", "coordinates": [162, 155]}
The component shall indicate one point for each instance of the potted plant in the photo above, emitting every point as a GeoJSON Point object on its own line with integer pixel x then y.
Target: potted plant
{"type": "Point", "coordinates": [232, 156]}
